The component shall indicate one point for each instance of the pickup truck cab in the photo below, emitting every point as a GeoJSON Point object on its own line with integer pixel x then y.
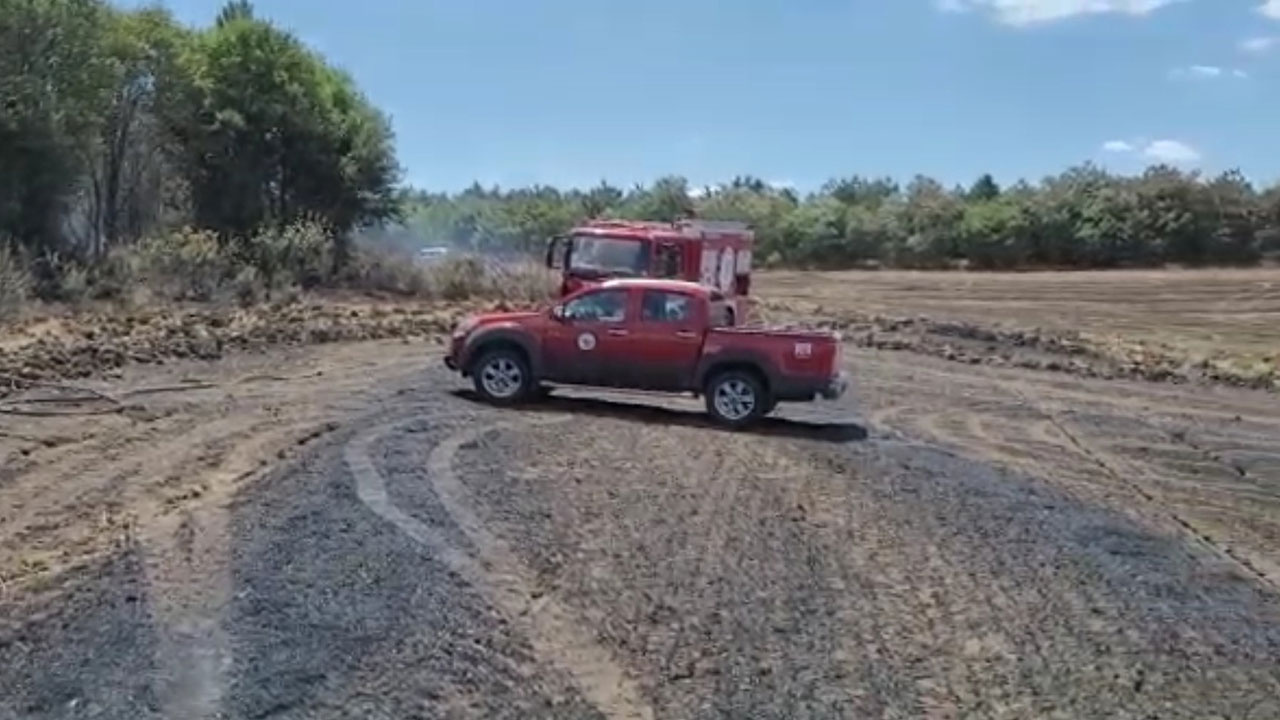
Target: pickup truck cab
{"type": "Point", "coordinates": [647, 334]}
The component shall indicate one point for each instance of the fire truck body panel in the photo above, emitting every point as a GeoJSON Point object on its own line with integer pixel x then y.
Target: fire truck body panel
{"type": "Point", "coordinates": [711, 253]}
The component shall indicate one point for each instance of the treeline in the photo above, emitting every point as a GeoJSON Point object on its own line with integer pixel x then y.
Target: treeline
{"type": "Point", "coordinates": [122, 126]}
{"type": "Point", "coordinates": [1082, 218]}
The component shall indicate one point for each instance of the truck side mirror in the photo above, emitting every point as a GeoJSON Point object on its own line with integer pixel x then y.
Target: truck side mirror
{"type": "Point", "coordinates": [557, 252]}
{"type": "Point", "coordinates": [557, 313]}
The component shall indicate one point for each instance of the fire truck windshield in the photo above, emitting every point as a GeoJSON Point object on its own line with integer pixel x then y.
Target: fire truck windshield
{"type": "Point", "coordinates": [594, 255]}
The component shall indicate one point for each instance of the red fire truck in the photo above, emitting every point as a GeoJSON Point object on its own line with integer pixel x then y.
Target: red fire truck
{"type": "Point", "coordinates": [712, 253]}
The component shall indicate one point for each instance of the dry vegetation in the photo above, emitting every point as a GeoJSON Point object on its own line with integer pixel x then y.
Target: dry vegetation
{"type": "Point", "coordinates": [1221, 325]}
{"type": "Point", "coordinates": [186, 295]}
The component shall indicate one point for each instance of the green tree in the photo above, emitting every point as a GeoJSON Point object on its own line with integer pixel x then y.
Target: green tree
{"type": "Point", "coordinates": [984, 189]}
{"type": "Point", "coordinates": [1236, 218]}
{"type": "Point", "coordinates": [815, 235]}
{"type": "Point", "coordinates": [129, 175]}
{"type": "Point", "coordinates": [274, 134]}
{"type": "Point", "coordinates": [930, 218]}
{"type": "Point", "coordinates": [667, 200]}
{"type": "Point", "coordinates": [233, 11]}
{"type": "Point", "coordinates": [600, 200]}
{"type": "Point", "coordinates": [995, 233]}
{"type": "Point", "coordinates": [857, 190]}
{"type": "Point", "coordinates": [54, 81]}
{"type": "Point", "coordinates": [764, 208]}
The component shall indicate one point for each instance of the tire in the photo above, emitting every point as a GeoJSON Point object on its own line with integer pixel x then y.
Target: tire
{"type": "Point", "coordinates": [736, 398]}
{"type": "Point", "coordinates": [503, 377]}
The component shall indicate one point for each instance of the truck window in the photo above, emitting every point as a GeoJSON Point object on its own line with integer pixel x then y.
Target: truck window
{"type": "Point", "coordinates": [660, 306]}
{"type": "Point", "coordinates": [609, 256]}
{"type": "Point", "coordinates": [669, 261]}
{"type": "Point", "coordinates": [600, 306]}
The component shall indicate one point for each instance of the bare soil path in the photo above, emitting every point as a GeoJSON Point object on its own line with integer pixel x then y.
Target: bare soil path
{"type": "Point", "coordinates": [339, 532]}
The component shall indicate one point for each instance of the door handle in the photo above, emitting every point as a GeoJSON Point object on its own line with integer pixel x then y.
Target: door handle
{"type": "Point", "coordinates": [618, 333]}
{"type": "Point", "coordinates": [686, 334]}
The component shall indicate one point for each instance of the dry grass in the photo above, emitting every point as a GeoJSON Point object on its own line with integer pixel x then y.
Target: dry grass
{"type": "Point", "coordinates": [462, 277]}
{"type": "Point", "coordinates": [15, 283]}
{"type": "Point", "coordinates": [1229, 318]}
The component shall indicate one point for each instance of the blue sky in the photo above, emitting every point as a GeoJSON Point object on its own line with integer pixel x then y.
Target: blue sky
{"type": "Point", "coordinates": [567, 92]}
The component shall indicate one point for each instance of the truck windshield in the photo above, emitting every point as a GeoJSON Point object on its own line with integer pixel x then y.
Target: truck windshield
{"type": "Point", "coordinates": [608, 256]}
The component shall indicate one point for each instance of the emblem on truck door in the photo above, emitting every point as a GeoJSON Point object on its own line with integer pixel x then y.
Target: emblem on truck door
{"type": "Point", "coordinates": [586, 341]}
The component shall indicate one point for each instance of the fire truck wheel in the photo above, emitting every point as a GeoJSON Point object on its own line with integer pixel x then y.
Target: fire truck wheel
{"type": "Point", "coordinates": [736, 398]}
{"type": "Point", "coordinates": [502, 377]}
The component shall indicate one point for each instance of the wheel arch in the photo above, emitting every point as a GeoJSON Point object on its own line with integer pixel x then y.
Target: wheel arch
{"type": "Point", "coordinates": [492, 340]}
{"type": "Point", "coordinates": [736, 364]}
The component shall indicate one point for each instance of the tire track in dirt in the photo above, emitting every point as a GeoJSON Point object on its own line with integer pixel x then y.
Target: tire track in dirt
{"type": "Point", "coordinates": [165, 477]}
{"type": "Point", "coordinates": [1034, 616]}
{"type": "Point", "coordinates": [1122, 470]}
{"type": "Point", "coordinates": [188, 568]}
{"type": "Point", "coordinates": [554, 631]}
{"type": "Point", "coordinates": [1152, 483]}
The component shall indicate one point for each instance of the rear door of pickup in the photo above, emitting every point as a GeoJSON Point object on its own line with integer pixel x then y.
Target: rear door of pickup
{"type": "Point", "coordinates": [666, 339]}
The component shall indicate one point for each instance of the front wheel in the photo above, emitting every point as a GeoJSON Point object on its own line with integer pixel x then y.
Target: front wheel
{"type": "Point", "coordinates": [736, 398]}
{"type": "Point", "coordinates": [502, 377]}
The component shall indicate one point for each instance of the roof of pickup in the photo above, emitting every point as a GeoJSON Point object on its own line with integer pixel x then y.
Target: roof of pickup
{"type": "Point", "coordinates": [683, 286]}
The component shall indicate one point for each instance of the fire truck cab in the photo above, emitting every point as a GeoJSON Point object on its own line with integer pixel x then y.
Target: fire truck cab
{"type": "Point", "coordinates": [712, 253]}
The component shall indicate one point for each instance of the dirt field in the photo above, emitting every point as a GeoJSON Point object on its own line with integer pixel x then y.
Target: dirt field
{"type": "Point", "coordinates": [1202, 310]}
{"type": "Point", "coordinates": [340, 531]}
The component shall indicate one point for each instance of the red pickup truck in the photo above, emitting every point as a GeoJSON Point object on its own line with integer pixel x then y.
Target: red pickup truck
{"type": "Point", "coordinates": [644, 334]}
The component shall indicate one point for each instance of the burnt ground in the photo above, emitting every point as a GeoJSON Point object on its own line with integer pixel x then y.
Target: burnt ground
{"type": "Point", "coordinates": [340, 532]}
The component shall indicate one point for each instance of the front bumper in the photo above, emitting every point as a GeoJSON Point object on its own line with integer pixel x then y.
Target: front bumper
{"type": "Point", "coordinates": [453, 359]}
{"type": "Point", "coordinates": [837, 387]}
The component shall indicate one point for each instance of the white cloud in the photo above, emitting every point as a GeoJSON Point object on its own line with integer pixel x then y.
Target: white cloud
{"type": "Point", "coordinates": [1202, 72]}
{"type": "Point", "coordinates": [1258, 45]}
{"type": "Point", "coordinates": [1171, 151]}
{"type": "Point", "coordinates": [1163, 151]}
{"type": "Point", "coordinates": [1205, 72]}
{"type": "Point", "coordinates": [1030, 12]}
{"type": "Point", "coordinates": [1271, 8]}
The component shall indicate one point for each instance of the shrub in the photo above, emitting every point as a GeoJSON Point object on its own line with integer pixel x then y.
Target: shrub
{"type": "Point", "coordinates": [458, 278]}
{"type": "Point", "coordinates": [248, 286]}
{"type": "Point", "coordinates": [74, 284]}
{"type": "Point", "coordinates": [453, 278]}
{"type": "Point", "coordinates": [185, 265]}
{"type": "Point", "coordinates": [523, 281]}
{"type": "Point", "coordinates": [384, 271]}
{"type": "Point", "coordinates": [297, 254]}
{"type": "Point", "coordinates": [116, 276]}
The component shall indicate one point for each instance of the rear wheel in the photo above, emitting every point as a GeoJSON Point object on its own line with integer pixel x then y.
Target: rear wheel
{"type": "Point", "coordinates": [502, 377]}
{"type": "Point", "coordinates": [736, 398]}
